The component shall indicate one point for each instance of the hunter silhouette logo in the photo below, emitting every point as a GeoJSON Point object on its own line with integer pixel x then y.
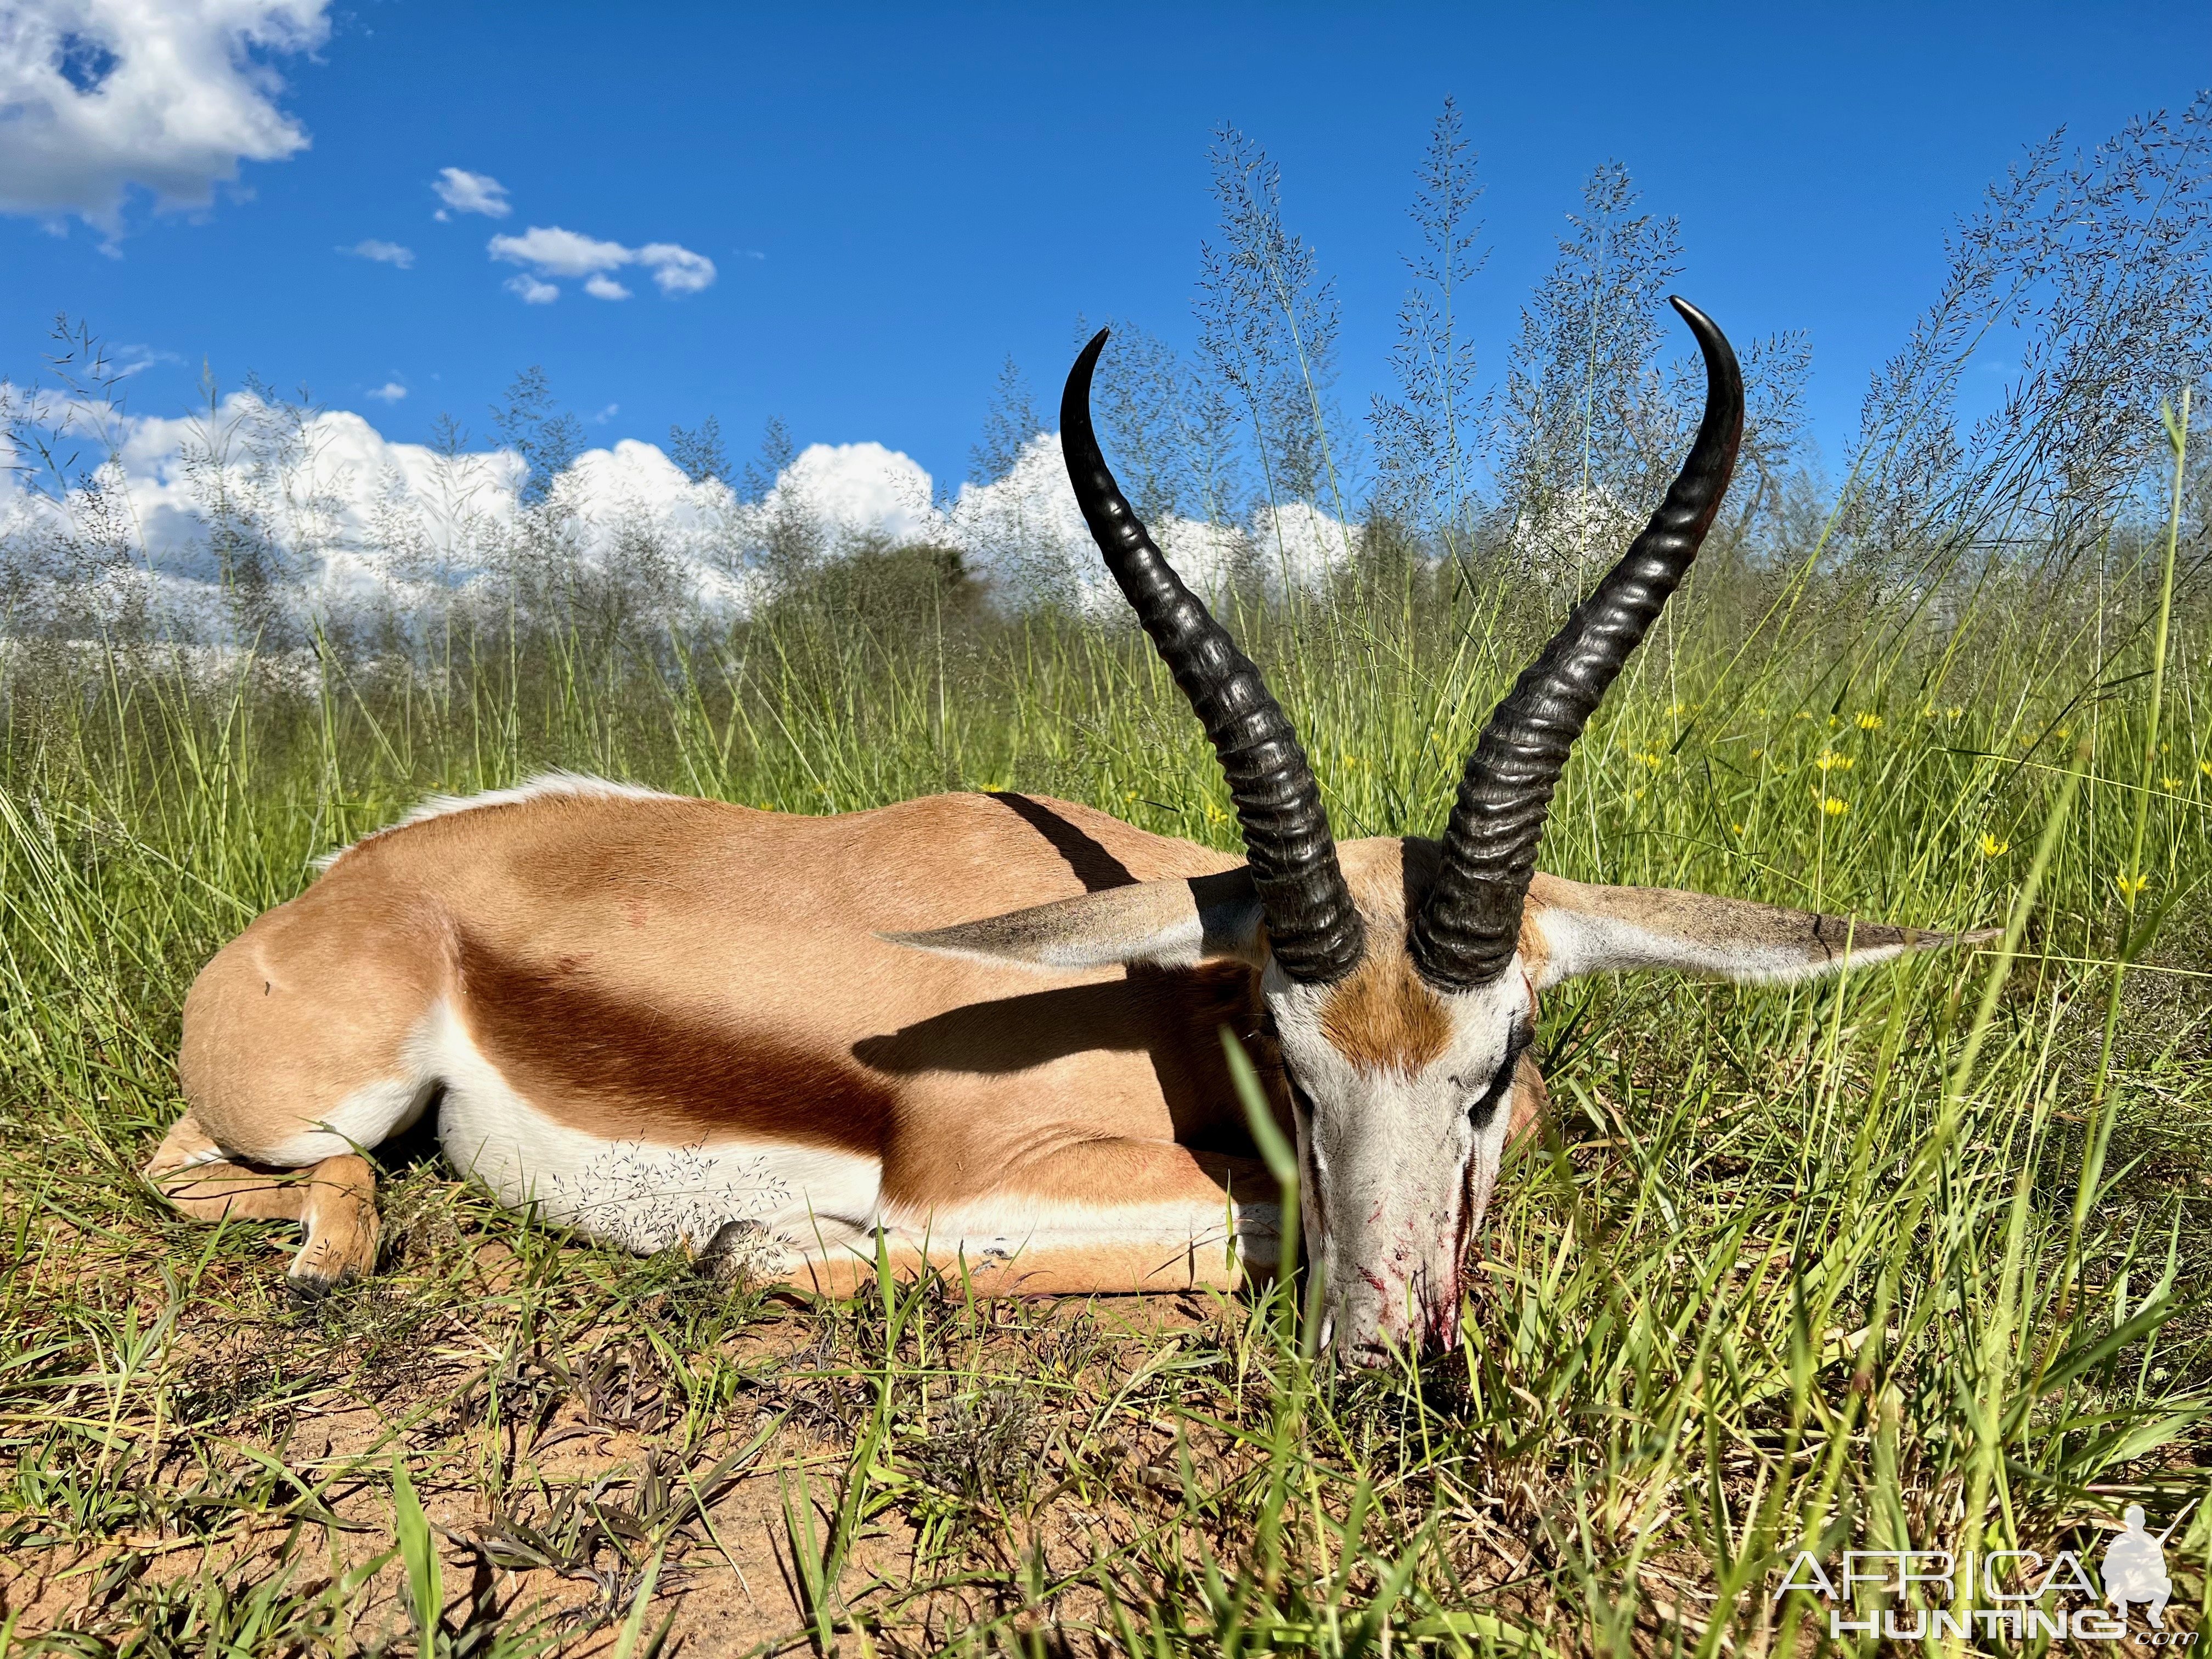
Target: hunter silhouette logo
{"type": "Point", "coordinates": [2019, 1594]}
{"type": "Point", "coordinates": [2135, 1569]}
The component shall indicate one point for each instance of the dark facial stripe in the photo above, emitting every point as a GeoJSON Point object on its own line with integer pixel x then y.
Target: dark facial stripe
{"type": "Point", "coordinates": [1501, 1080]}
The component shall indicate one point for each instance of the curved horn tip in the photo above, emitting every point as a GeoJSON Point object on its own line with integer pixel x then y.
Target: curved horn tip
{"type": "Point", "coordinates": [1467, 927]}
{"type": "Point", "coordinates": [1710, 340]}
{"type": "Point", "coordinates": [1087, 359]}
{"type": "Point", "coordinates": [1075, 397]}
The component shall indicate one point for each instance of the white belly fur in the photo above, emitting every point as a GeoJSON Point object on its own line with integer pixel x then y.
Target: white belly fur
{"type": "Point", "coordinates": [797, 1203]}
{"type": "Point", "coordinates": [640, 1194]}
{"type": "Point", "coordinates": [1000, 1229]}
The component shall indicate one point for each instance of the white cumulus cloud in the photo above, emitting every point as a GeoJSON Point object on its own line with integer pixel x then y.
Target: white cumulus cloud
{"type": "Point", "coordinates": [170, 95]}
{"type": "Point", "coordinates": [462, 191]}
{"type": "Point", "coordinates": [558, 253]}
{"type": "Point", "coordinates": [859, 490]}
{"type": "Point", "coordinates": [551, 252]}
{"type": "Point", "coordinates": [1024, 532]}
{"type": "Point", "coordinates": [1298, 545]}
{"type": "Point", "coordinates": [361, 520]}
{"type": "Point", "coordinates": [1025, 535]}
{"type": "Point", "coordinates": [385, 253]}
{"type": "Point", "coordinates": [533, 292]}
{"type": "Point", "coordinates": [677, 269]}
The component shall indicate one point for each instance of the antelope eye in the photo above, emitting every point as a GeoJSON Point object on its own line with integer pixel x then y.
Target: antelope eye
{"type": "Point", "coordinates": [1483, 1107]}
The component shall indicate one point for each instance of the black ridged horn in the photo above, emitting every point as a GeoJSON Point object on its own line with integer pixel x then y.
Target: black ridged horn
{"type": "Point", "coordinates": [1312, 926]}
{"type": "Point", "coordinates": [1468, 930]}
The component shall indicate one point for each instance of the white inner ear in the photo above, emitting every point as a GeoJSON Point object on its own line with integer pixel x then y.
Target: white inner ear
{"type": "Point", "coordinates": [1169, 923]}
{"type": "Point", "coordinates": [1580, 942]}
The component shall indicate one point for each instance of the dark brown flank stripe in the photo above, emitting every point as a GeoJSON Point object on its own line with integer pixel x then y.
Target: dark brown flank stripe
{"type": "Point", "coordinates": [625, 1069]}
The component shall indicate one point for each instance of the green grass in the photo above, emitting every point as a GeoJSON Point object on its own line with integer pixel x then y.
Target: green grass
{"type": "Point", "coordinates": [1914, 1256]}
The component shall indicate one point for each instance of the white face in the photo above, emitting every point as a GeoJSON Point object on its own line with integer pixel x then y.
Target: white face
{"type": "Point", "coordinates": [1398, 1162]}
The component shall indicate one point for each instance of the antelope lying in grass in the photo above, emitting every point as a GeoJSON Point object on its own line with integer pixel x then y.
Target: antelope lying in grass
{"type": "Point", "coordinates": [658, 1020]}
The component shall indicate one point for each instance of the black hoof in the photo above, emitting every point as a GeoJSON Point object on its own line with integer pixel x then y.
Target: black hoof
{"type": "Point", "coordinates": [309, 1289]}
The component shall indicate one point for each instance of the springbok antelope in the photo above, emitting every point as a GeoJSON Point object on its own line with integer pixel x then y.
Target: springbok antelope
{"type": "Point", "coordinates": [662, 1021]}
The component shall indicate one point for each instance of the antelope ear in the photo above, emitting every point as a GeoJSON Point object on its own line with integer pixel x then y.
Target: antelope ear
{"type": "Point", "coordinates": [1569, 929]}
{"type": "Point", "coordinates": [1175, 922]}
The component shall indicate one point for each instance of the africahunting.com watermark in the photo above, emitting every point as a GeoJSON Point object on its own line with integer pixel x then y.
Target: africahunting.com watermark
{"type": "Point", "coordinates": [2018, 1595]}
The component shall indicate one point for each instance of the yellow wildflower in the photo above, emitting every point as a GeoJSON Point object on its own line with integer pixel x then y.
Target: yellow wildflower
{"type": "Point", "coordinates": [1992, 847]}
{"type": "Point", "coordinates": [1829, 761]}
{"type": "Point", "coordinates": [2130, 885]}
{"type": "Point", "coordinates": [1869, 720]}
{"type": "Point", "coordinates": [1735, 829]}
{"type": "Point", "coordinates": [1834, 808]}
{"type": "Point", "coordinates": [2171, 783]}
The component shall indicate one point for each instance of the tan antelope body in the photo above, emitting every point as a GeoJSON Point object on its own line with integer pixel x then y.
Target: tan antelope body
{"type": "Point", "coordinates": [976, 1031]}
{"type": "Point", "coordinates": [654, 1018]}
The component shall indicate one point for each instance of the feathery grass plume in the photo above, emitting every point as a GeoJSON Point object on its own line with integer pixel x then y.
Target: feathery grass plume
{"type": "Point", "coordinates": [1171, 433]}
{"type": "Point", "coordinates": [698, 452]}
{"type": "Point", "coordinates": [772, 459]}
{"type": "Point", "coordinates": [1009, 421]}
{"type": "Point", "coordinates": [547, 437]}
{"type": "Point", "coordinates": [1586, 424]}
{"type": "Point", "coordinates": [2102, 260]}
{"type": "Point", "coordinates": [1427, 451]}
{"type": "Point", "coordinates": [74, 557]}
{"type": "Point", "coordinates": [249, 464]}
{"type": "Point", "coordinates": [1267, 326]}
{"type": "Point", "coordinates": [1776, 367]}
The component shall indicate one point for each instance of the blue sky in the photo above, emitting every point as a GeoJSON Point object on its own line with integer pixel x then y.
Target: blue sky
{"type": "Point", "coordinates": [893, 200]}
